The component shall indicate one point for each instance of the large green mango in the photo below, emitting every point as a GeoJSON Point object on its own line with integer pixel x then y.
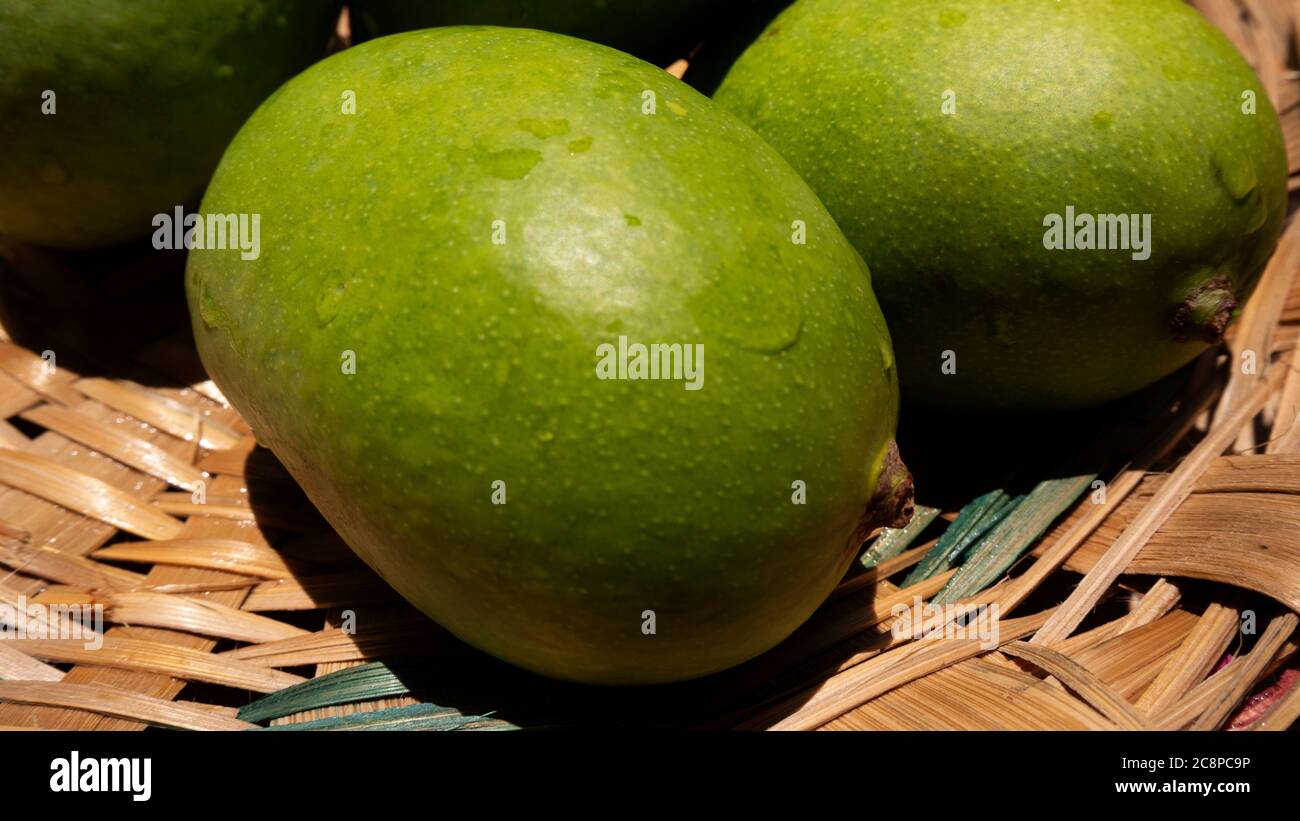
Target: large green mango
{"type": "Point", "coordinates": [431, 334]}
{"type": "Point", "coordinates": [960, 144]}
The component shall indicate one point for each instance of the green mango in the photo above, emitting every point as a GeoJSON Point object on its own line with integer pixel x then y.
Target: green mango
{"type": "Point", "coordinates": [446, 282]}
{"type": "Point", "coordinates": [112, 111]}
{"type": "Point", "coordinates": [957, 145]}
{"type": "Point", "coordinates": [655, 30]}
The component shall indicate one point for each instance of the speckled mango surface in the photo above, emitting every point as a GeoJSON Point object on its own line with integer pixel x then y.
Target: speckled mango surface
{"type": "Point", "coordinates": [941, 136]}
{"type": "Point", "coordinates": [500, 205]}
{"type": "Point", "coordinates": [112, 111]}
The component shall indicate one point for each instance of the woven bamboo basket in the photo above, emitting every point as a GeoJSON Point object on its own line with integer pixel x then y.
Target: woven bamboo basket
{"type": "Point", "coordinates": [1156, 584]}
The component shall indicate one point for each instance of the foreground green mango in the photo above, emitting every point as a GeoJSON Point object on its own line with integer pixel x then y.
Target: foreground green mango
{"type": "Point", "coordinates": [112, 111]}
{"type": "Point", "coordinates": [959, 146]}
{"type": "Point", "coordinates": [451, 281]}
{"type": "Point", "coordinates": [655, 30]}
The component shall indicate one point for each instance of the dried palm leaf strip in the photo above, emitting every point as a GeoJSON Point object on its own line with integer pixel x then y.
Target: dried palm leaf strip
{"type": "Point", "coordinates": [879, 572]}
{"type": "Point", "coordinates": [1286, 420]}
{"type": "Point", "coordinates": [1199, 698]}
{"type": "Point", "coordinates": [412, 637]}
{"type": "Point", "coordinates": [49, 621]}
{"type": "Point", "coordinates": [844, 618]}
{"type": "Point", "coordinates": [1272, 473]}
{"type": "Point", "coordinates": [14, 534]}
{"type": "Point", "coordinates": [1159, 600]}
{"type": "Point", "coordinates": [117, 703]}
{"type": "Point", "coordinates": [155, 684]}
{"type": "Point", "coordinates": [865, 681]}
{"type": "Point", "coordinates": [18, 666]}
{"type": "Point", "coordinates": [1079, 679]}
{"type": "Point", "coordinates": [974, 695]}
{"type": "Point", "coordinates": [11, 437]}
{"type": "Point", "coordinates": [84, 494]}
{"type": "Point", "coordinates": [50, 524]}
{"type": "Point", "coordinates": [156, 657]}
{"type": "Point", "coordinates": [15, 397]}
{"type": "Point", "coordinates": [54, 384]}
{"type": "Point", "coordinates": [55, 565]}
{"type": "Point", "coordinates": [230, 555]}
{"type": "Point", "coordinates": [1035, 703]}
{"type": "Point", "coordinates": [1129, 661]}
{"type": "Point", "coordinates": [1254, 332]}
{"type": "Point", "coordinates": [195, 615]}
{"type": "Point", "coordinates": [165, 414]}
{"type": "Point", "coordinates": [1172, 494]}
{"type": "Point", "coordinates": [1193, 660]}
{"type": "Point", "coordinates": [1250, 671]}
{"type": "Point", "coordinates": [1243, 539]}
{"type": "Point", "coordinates": [144, 456]}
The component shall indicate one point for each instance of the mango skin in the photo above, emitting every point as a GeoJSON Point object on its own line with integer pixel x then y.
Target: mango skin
{"type": "Point", "coordinates": [475, 361]}
{"type": "Point", "coordinates": [148, 93]}
{"type": "Point", "coordinates": [1113, 106]}
{"type": "Point", "coordinates": [656, 30]}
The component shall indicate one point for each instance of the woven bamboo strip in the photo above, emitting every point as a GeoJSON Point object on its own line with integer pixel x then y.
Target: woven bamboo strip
{"type": "Point", "coordinates": [409, 637]}
{"type": "Point", "coordinates": [973, 695]}
{"type": "Point", "coordinates": [18, 666]}
{"type": "Point", "coordinates": [46, 524]}
{"type": "Point", "coordinates": [1192, 662]}
{"type": "Point", "coordinates": [54, 384]}
{"type": "Point", "coordinates": [119, 704]}
{"type": "Point", "coordinates": [129, 450]}
{"type": "Point", "coordinates": [195, 615]}
{"type": "Point", "coordinates": [861, 683]}
{"type": "Point", "coordinates": [1252, 337]}
{"type": "Point", "coordinates": [15, 397]}
{"type": "Point", "coordinates": [229, 555]}
{"type": "Point", "coordinates": [76, 491]}
{"type": "Point", "coordinates": [882, 571]}
{"type": "Point", "coordinates": [1249, 671]}
{"type": "Point", "coordinates": [48, 563]}
{"type": "Point", "coordinates": [148, 683]}
{"type": "Point", "coordinates": [163, 413]}
{"type": "Point", "coordinates": [1079, 679]}
{"type": "Point", "coordinates": [1203, 695]}
{"type": "Point", "coordinates": [157, 657]}
{"type": "Point", "coordinates": [1124, 649]}
{"type": "Point", "coordinates": [1173, 493]}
